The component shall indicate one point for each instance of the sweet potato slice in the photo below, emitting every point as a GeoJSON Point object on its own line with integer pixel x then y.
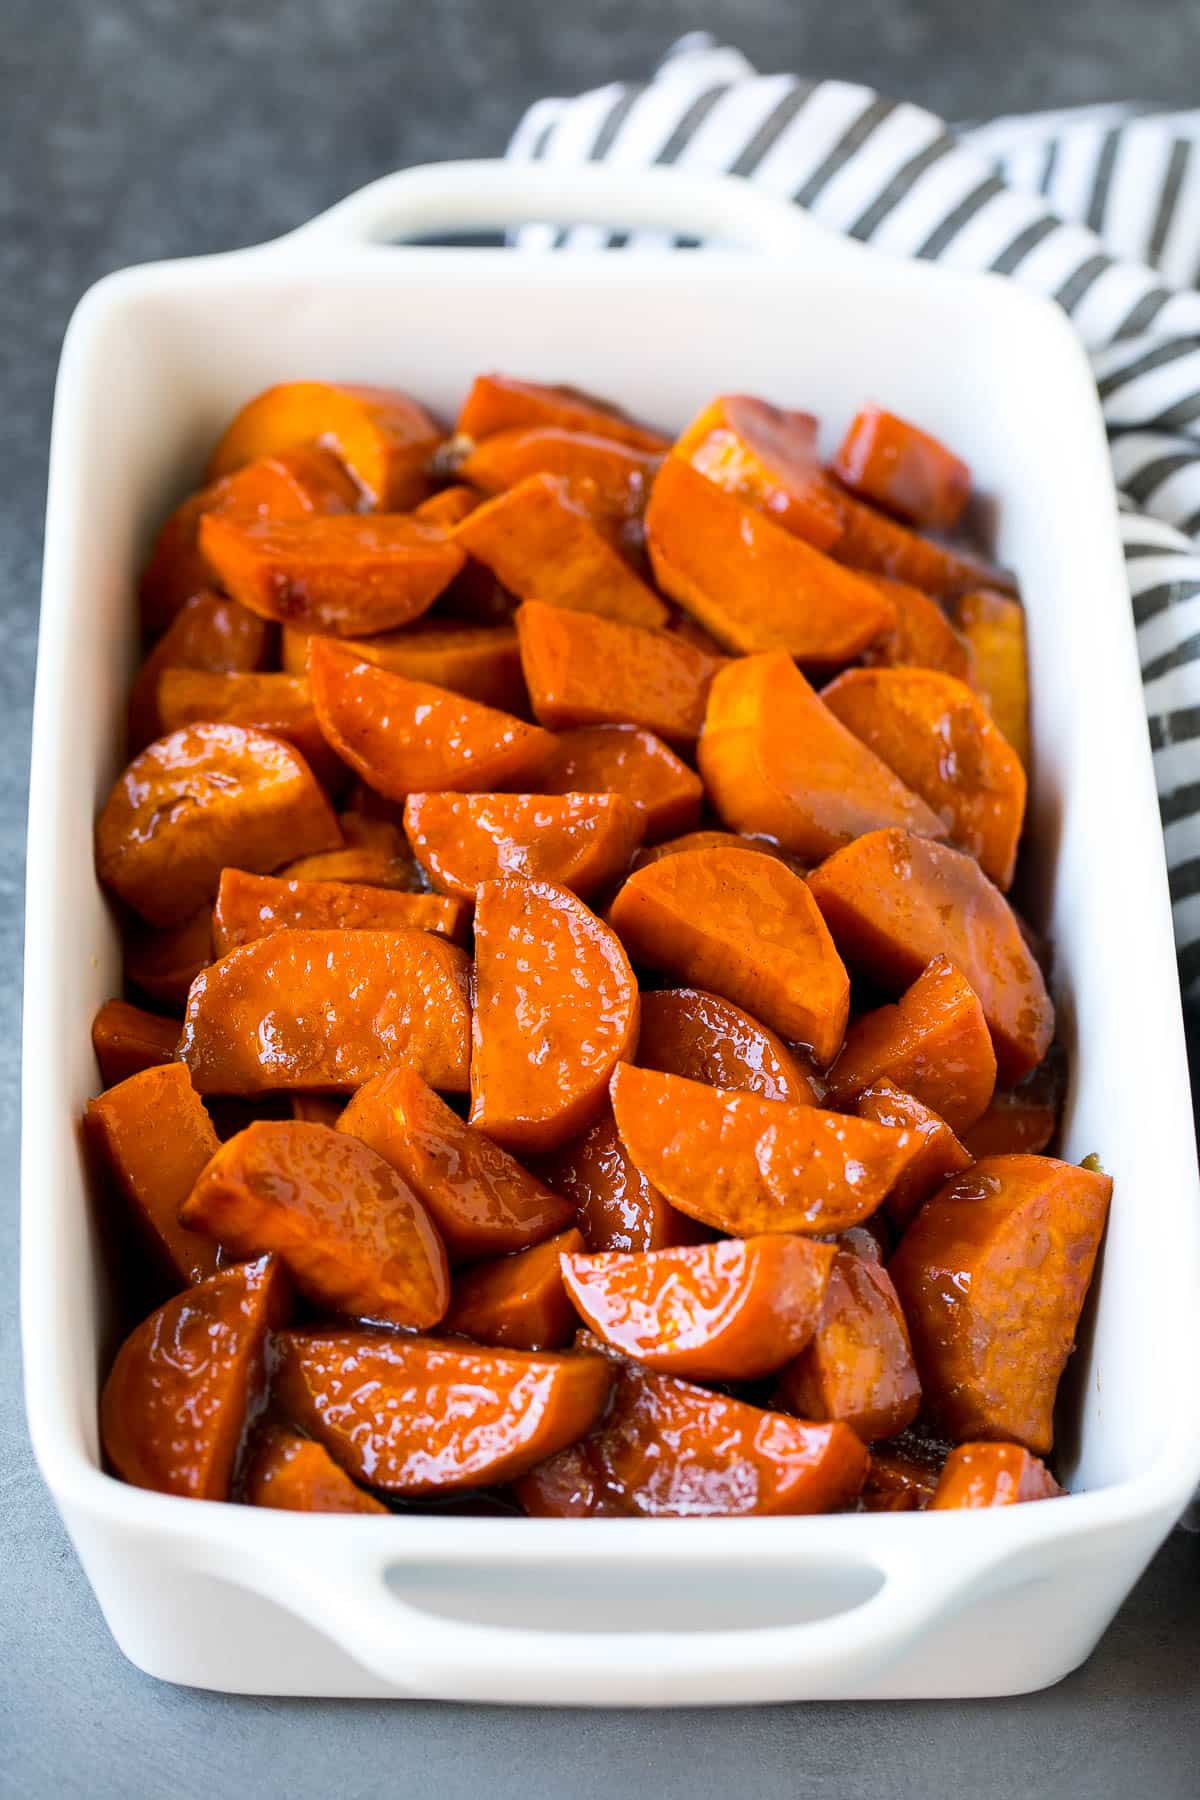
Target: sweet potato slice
{"type": "Point", "coordinates": [294, 1474]}
{"type": "Point", "coordinates": [746, 1165]}
{"type": "Point", "coordinates": [350, 576]}
{"type": "Point", "coordinates": [351, 1233]}
{"type": "Point", "coordinates": [384, 438]}
{"type": "Point", "coordinates": [202, 798]}
{"type": "Point", "coordinates": [703, 840]}
{"type": "Point", "coordinates": [567, 1486]}
{"type": "Point", "coordinates": [896, 465]}
{"type": "Point", "coordinates": [541, 545]}
{"type": "Point", "coordinates": [1017, 1120]}
{"type": "Point", "coordinates": [406, 737]}
{"type": "Point", "coordinates": [277, 704]}
{"type": "Point", "coordinates": [164, 964]}
{"type": "Point", "coordinates": [705, 1038]}
{"type": "Point", "coordinates": [935, 734]}
{"type": "Point", "coordinates": [873, 543]}
{"type": "Point", "coordinates": [582, 669]}
{"type": "Point", "coordinates": [208, 632]}
{"type": "Point", "coordinates": [127, 1040]}
{"type": "Point", "coordinates": [253, 906]}
{"type": "Point", "coordinates": [778, 762]}
{"type": "Point", "coordinates": [940, 1157]}
{"type": "Point", "coordinates": [518, 1300]}
{"type": "Point", "coordinates": [993, 625]}
{"type": "Point", "coordinates": [482, 662]}
{"type": "Point", "coordinates": [894, 902]}
{"type": "Point", "coordinates": [992, 1475]}
{"type": "Point", "coordinates": [734, 1310]}
{"type": "Point", "coordinates": [503, 403]}
{"type": "Point", "coordinates": [608, 479]}
{"type": "Point", "coordinates": [752, 584]}
{"type": "Point", "coordinates": [481, 1199]}
{"type": "Point", "coordinates": [858, 1365]}
{"type": "Point", "coordinates": [767, 457]}
{"type": "Point", "coordinates": [992, 1274]}
{"type": "Point", "coordinates": [744, 926]}
{"type": "Point", "coordinates": [423, 1415]}
{"type": "Point", "coordinates": [175, 1406]}
{"type": "Point", "coordinates": [449, 507]}
{"type": "Point", "coordinates": [580, 841]}
{"type": "Point", "coordinates": [556, 1009]}
{"type": "Point", "coordinates": [620, 759]}
{"type": "Point", "coordinates": [618, 1209]}
{"type": "Point", "coordinates": [899, 1481]}
{"type": "Point", "coordinates": [374, 852]}
{"type": "Point", "coordinates": [922, 637]}
{"type": "Point", "coordinates": [327, 1010]}
{"type": "Point", "coordinates": [933, 1043]}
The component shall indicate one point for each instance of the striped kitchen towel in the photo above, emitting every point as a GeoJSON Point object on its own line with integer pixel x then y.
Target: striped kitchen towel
{"type": "Point", "coordinates": [1099, 208]}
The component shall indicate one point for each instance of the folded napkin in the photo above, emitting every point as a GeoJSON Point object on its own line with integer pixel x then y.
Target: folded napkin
{"type": "Point", "coordinates": [1098, 208]}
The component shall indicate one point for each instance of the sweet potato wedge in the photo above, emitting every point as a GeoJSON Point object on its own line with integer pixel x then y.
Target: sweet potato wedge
{"type": "Point", "coordinates": [580, 841]}
{"type": "Point", "coordinates": [581, 669]}
{"type": "Point", "coordinates": [374, 852]}
{"type": "Point", "coordinates": [992, 1475]}
{"type": "Point", "coordinates": [620, 759]}
{"type": "Point", "coordinates": [873, 543]}
{"type": "Point", "coordinates": [294, 1474]}
{"type": "Point", "coordinates": [767, 457]}
{"type": "Point", "coordinates": [207, 632]}
{"type": "Point", "coordinates": [993, 625]}
{"type": "Point", "coordinates": [127, 1040]}
{"type": "Point", "coordinates": [482, 662]}
{"type": "Point", "coordinates": [164, 964]}
{"type": "Point", "coordinates": [858, 1365]}
{"type": "Point", "coordinates": [253, 906]}
{"type": "Point", "coordinates": [617, 1208]}
{"type": "Point", "coordinates": [1017, 1119]}
{"type": "Point", "coordinates": [941, 1155]}
{"type": "Point", "coordinates": [705, 1038]}
{"type": "Point", "coordinates": [922, 637]}
{"type": "Point", "coordinates": [895, 465]}
{"type": "Point", "coordinates": [703, 840]}
{"type": "Point", "coordinates": [519, 1301]}
{"type": "Point", "coordinates": [280, 705]}
{"type": "Point", "coordinates": [503, 403]}
{"type": "Point", "coordinates": [608, 479]}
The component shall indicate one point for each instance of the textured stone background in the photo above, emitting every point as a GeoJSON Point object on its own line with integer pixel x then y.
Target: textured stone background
{"type": "Point", "coordinates": [134, 129]}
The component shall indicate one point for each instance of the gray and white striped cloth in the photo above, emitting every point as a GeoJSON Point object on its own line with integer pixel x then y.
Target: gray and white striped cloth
{"type": "Point", "coordinates": [1099, 208]}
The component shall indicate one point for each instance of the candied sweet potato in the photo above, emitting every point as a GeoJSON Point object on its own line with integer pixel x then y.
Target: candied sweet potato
{"type": "Point", "coordinates": [766, 456]}
{"type": "Point", "coordinates": [374, 852]}
{"type": "Point", "coordinates": [280, 705]}
{"type": "Point", "coordinates": [582, 669]}
{"type": "Point", "coordinates": [704, 840]}
{"type": "Point", "coordinates": [922, 637]}
{"type": "Point", "coordinates": [517, 1300]}
{"type": "Point", "coordinates": [618, 1209]}
{"type": "Point", "coordinates": [898, 1480]}
{"type": "Point", "coordinates": [873, 543]}
{"type": "Point", "coordinates": [990, 1474]}
{"type": "Point", "coordinates": [208, 632]}
{"type": "Point", "coordinates": [127, 1040]}
{"type": "Point", "coordinates": [705, 1038]}
{"type": "Point", "coordinates": [164, 964]}
{"type": "Point", "coordinates": [993, 625]}
{"type": "Point", "coordinates": [858, 1365]}
{"type": "Point", "coordinates": [620, 759]}
{"type": "Point", "coordinates": [295, 1474]}
{"type": "Point", "coordinates": [1017, 1119]}
{"type": "Point", "coordinates": [504, 403]}
{"type": "Point", "coordinates": [940, 1157]}
{"type": "Point", "coordinates": [253, 906]}
{"type": "Point", "coordinates": [567, 1486]}
{"type": "Point", "coordinates": [895, 465]}
{"type": "Point", "coordinates": [580, 841]}
{"type": "Point", "coordinates": [482, 662]}
{"type": "Point", "coordinates": [610, 480]}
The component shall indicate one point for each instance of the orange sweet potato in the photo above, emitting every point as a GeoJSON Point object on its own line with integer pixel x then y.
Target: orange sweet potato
{"type": "Point", "coordinates": [893, 902]}
{"type": "Point", "coordinates": [747, 1165]}
{"type": "Point", "coordinates": [150, 1137]}
{"type": "Point", "coordinates": [582, 669]}
{"type": "Point", "coordinates": [391, 1409]}
{"type": "Point", "coordinates": [776, 761]}
{"type": "Point", "coordinates": [449, 507]}
{"type": "Point", "coordinates": [886, 460]}
{"type": "Point", "coordinates": [407, 737]}
{"type": "Point", "coordinates": [620, 759]}
{"type": "Point", "coordinates": [350, 1232]}
{"type": "Point", "coordinates": [208, 632]}
{"type": "Point", "coordinates": [734, 1310]}
{"type": "Point", "coordinates": [858, 1366]}
{"type": "Point", "coordinates": [519, 1300]}
{"type": "Point", "coordinates": [164, 964]}
{"type": "Point", "coordinates": [922, 637]}
{"type": "Point", "coordinates": [933, 1043]}
{"type": "Point", "coordinates": [766, 456]}
{"type": "Point", "coordinates": [994, 627]}
{"type": "Point", "coordinates": [326, 1010]}
{"type": "Point", "coordinates": [752, 584]}
{"type": "Point", "coordinates": [384, 438]}
{"type": "Point", "coordinates": [705, 1038]}
{"type": "Point", "coordinates": [127, 1040]}
{"type": "Point", "coordinates": [618, 1209]}
{"type": "Point", "coordinates": [744, 926]}
{"type": "Point", "coordinates": [703, 840]}
{"type": "Point", "coordinates": [610, 480]}
{"type": "Point", "coordinates": [541, 545]}
{"type": "Point", "coordinates": [580, 841]}
{"type": "Point", "coordinates": [374, 852]}
{"type": "Point", "coordinates": [175, 1405]}
{"type": "Point", "coordinates": [294, 1474]}
{"type": "Point", "coordinates": [992, 1475]}
{"type": "Point", "coordinates": [992, 1274]}
{"type": "Point", "coordinates": [502, 403]}
{"type": "Point", "coordinates": [567, 1486]}
{"type": "Point", "coordinates": [872, 1239]}
{"type": "Point", "coordinates": [481, 1199]}
{"type": "Point", "coordinates": [197, 800]}
{"type": "Point", "coordinates": [1017, 1119]}
{"type": "Point", "coordinates": [482, 662]}
{"type": "Point", "coordinates": [556, 1009]}
{"type": "Point", "coordinates": [898, 1482]}
{"type": "Point", "coordinates": [941, 1154]}
{"type": "Point", "coordinates": [875, 544]}
{"type": "Point", "coordinates": [253, 906]}
{"type": "Point", "coordinates": [935, 734]}
{"type": "Point", "coordinates": [280, 705]}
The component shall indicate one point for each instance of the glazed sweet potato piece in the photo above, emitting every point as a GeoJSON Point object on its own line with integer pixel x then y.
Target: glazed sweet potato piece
{"type": "Point", "coordinates": [744, 926]}
{"type": "Point", "coordinates": [582, 669]}
{"type": "Point", "coordinates": [503, 403]}
{"type": "Point", "coordinates": [318, 1109]}
{"type": "Point", "coordinates": [893, 902]}
{"type": "Point", "coordinates": [734, 1310]}
{"type": "Point", "coordinates": [703, 840]}
{"type": "Point", "coordinates": [933, 1043]}
{"type": "Point", "coordinates": [556, 1009]}
{"type": "Point", "coordinates": [608, 479]}
{"type": "Point", "coordinates": [746, 1165]}
{"type": "Point", "coordinates": [351, 1233]}
{"type": "Point", "coordinates": [202, 798]}
{"type": "Point", "coordinates": [567, 1486]}
{"type": "Point", "coordinates": [482, 662]}
{"type": "Point", "coordinates": [1017, 1120]}
{"type": "Point", "coordinates": [164, 964]}
{"type": "Point", "coordinates": [253, 906]}
{"type": "Point", "coordinates": [175, 1405]}
{"type": "Point", "coordinates": [705, 1038]}
{"type": "Point", "coordinates": [941, 1154]}
{"type": "Point", "coordinates": [518, 1300]}
{"type": "Point", "coordinates": [579, 841]}
{"type": "Point", "coordinates": [208, 632]}
{"type": "Point", "coordinates": [873, 543]}
{"type": "Point", "coordinates": [992, 1475]}
{"type": "Point", "coordinates": [922, 637]}
{"type": "Point", "coordinates": [280, 705]}
{"type": "Point", "coordinates": [374, 852]}
{"type": "Point", "coordinates": [391, 1409]}
{"type": "Point", "coordinates": [994, 627]}
{"type": "Point", "coordinates": [127, 1040]}
{"type": "Point", "coordinates": [618, 1209]}
{"type": "Point", "coordinates": [895, 465]}
{"type": "Point", "coordinates": [778, 762]}
{"type": "Point", "coordinates": [406, 737]}
{"type": "Point", "coordinates": [752, 584]}
{"type": "Point", "coordinates": [992, 1274]}
{"type": "Point", "coordinates": [620, 759]}
{"type": "Point", "coordinates": [541, 545]}
{"type": "Point", "coordinates": [935, 734]}
{"type": "Point", "coordinates": [450, 506]}
{"type": "Point", "coordinates": [350, 576]}
{"type": "Point", "coordinates": [900, 1480]}
{"type": "Point", "coordinates": [151, 1138]}
{"type": "Point", "coordinates": [481, 1199]}
{"type": "Point", "coordinates": [384, 438]}
{"type": "Point", "coordinates": [294, 1474]}
{"type": "Point", "coordinates": [767, 457]}
{"type": "Point", "coordinates": [858, 1365]}
{"type": "Point", "coordinates": [327, 1010]}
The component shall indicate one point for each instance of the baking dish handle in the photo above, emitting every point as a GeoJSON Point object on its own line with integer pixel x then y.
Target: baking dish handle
{"type": "Point", "coordinates": [436, 199]}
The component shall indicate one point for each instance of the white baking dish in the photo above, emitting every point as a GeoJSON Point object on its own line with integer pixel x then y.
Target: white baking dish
{"type": "Point", "coordinates": [622, 1612]}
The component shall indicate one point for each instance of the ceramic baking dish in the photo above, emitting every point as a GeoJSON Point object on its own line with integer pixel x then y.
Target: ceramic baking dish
{"type": "Point", "coordinates": [626, 1612]}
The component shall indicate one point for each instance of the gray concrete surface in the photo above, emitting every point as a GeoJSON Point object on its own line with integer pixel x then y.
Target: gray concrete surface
{"type": "Point", "coordinates": [132, 129]}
